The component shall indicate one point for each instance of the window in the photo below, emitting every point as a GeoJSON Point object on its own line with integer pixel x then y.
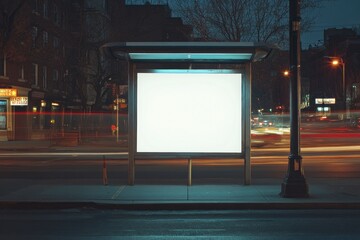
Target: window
{"type": "Point", "coordinates": [46, 8]}
{"type": "Point", "coordinates": [3, 111]}
{"type": "Point", "coordinates": [62, 20]}
{"type": "Point", "coordinates": [21, 73]}
{"type": "Point", "coordinates": [56, 42]}
{"type": "Point", "coordinates": [36, 7]}
{"type": "Point", "coordinates": [106, 6]}
{"type": "Point", "coordinates": [55, 75]}
{"type": "Point", "coordinates": [34, 34]}
{"type": "Point", "coordinates": [44, 76]}
{"type": "Point", "coordinates": [3, 66]}
{"type": "Point", "coordinates": [98, 5]}
{"type": "Point", "coordinates": [87, 57]}
{"type": "Point", "coordinates": [90, 4]}
{"type": "Point", "coordinates": [35, 74]}
{"type": "Point", "coordinates": [56, 15]}
{"type": "Point", "coordinates": [45, 38]}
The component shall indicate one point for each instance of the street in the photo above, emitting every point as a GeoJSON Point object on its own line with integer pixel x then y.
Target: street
{"type": "Point", "coordinates": [116, 224]}
{"type": "Point", "coordinates": [324, 161]}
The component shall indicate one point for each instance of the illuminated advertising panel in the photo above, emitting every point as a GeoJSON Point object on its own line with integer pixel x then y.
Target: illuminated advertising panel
{"type": "Point", "coordinates": [325, 101]}
{"type": "Point", "coordinates": [189, 111]}
{"type": "Point", "coordinates": [19, 101]}
{"type": "Point", "coordinates": [8, 92]}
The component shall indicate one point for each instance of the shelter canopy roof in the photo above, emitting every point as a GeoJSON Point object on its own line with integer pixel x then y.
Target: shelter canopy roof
{"type": "Point", "coordinates": [214, 52]}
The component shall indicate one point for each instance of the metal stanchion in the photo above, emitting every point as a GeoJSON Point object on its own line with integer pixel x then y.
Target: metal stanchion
{"type": "Point", "coordinates": [105, 178]}
{"type": "Point", "coordinates": [189, 172]}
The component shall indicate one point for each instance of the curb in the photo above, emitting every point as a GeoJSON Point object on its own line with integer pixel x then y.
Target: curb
{"type": "Point", "coordinates": [6, 205]}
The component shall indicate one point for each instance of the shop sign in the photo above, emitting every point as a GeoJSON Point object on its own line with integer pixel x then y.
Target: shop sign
{"type": "Point", "coordinates": [8, 92]}
{"type": "Point", "coordinates": [18, 101]}
{"type": "Point", "coordinates": [325, 100]}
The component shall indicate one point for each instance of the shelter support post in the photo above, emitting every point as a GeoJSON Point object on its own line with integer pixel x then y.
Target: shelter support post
{"type": "Point", "coordinates": [131, 124]}
{"type": "Point", "coordinates": [247, 114]}
{"type": "Point", "coordinates": [189, 172]}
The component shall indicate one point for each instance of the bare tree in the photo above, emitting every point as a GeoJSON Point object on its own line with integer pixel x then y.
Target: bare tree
{"type": "Point", "coordinates": [88, 74]}
{"type": "Point", "coordinates": [240, 20]}
{"type": "Point", "coordinates": [88, 68]}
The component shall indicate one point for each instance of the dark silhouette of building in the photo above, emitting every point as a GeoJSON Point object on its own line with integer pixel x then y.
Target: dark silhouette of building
{"type": "Point", "coordinates": [148, 22]}
{"type": "Point", "coordinates": [328, 81]}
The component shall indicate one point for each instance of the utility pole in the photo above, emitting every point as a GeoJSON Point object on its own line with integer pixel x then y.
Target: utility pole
{"type": "Point", "coordinates": [294, 184]}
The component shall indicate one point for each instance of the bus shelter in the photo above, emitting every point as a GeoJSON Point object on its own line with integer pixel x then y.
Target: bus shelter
{"type": "Point", "coordinates": [188, 100]}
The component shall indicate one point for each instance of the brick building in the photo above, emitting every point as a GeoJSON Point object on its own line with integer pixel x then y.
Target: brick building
{"type": "Point", "coordinates": [50, 59]}
{"type": "Point", "coordinates": [33, 60]}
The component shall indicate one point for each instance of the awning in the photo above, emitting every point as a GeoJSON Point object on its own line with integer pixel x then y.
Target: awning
{"type": "Point", "coordinates": [213, 52]}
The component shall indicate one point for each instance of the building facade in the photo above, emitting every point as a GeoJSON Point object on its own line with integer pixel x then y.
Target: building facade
{"type": "Point", "coordinates": [33, 60]}
{"type": "Point", "coordinates": [50, 65]}
{"type": "Point", "coordinates": [334, 88]}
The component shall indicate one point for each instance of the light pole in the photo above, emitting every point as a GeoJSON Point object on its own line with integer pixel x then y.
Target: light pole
{"type": "Point", "coordinates": [294, 184]}
{"type": "Point", "coordinates": [338, 61]}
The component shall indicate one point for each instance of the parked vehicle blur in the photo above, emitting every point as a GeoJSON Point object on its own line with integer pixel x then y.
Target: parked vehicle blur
{"type": "Point", "coordinates": [355, 122]}
{"type": "Point", "coordinates": [269, 129]}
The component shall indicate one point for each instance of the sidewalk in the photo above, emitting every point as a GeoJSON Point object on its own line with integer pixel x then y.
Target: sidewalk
{"type": "Point", "coordinates": [28, 193]}
{"type": "Point", "coordinates": [324, 194]}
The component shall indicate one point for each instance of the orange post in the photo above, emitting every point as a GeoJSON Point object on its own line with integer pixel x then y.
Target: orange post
{"type": "Point", "coordinates": [105, 178]}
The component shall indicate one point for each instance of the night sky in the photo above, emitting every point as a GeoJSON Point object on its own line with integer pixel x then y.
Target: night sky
{"type": "Point", "coordinates": [333, 14]}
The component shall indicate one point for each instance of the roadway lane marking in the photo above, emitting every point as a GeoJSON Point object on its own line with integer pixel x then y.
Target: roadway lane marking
{"type": "Point", "coordinates": [331, 149]}
{"type": "Point", "coordinates": [306, 156]}
{"type": "Point", "coordinates": [32, 154]}
{"type": "Point", "coordinates": [312, 149]}
{"type": "Point", "coordinates": [117, 193]}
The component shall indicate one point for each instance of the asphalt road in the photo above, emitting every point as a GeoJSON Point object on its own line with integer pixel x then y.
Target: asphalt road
{"type": "Point", "coordinates": [324, 156]}
{"type": "Point", "coordinates": [334, 161]}
{"type": "Point", "coordinates": [252, 224]}
{"type": "Point", "coordinates": [323, 159]}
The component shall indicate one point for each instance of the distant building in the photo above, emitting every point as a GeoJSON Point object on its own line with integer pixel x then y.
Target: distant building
{"type": "Point", "coordinates": [334, 36]}
{"type": "Point", "coordinates": [151, 22]}
{"type": "Point", "coordinates": [326, 81]}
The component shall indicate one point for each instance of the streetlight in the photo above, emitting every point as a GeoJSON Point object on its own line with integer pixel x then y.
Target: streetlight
{"type": "Point", "coordinates": [286, 73]}
{"type": "Point", "coordinates": [335, 62]}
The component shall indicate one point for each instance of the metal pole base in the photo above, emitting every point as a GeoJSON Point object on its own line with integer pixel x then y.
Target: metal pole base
{"type": "Point", "coordinates": [294, 186]}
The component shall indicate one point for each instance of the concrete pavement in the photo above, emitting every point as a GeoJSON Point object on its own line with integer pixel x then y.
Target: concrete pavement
{"type": "Point", "coordinates": [262, 194]}
{"type": "Point", "coordinates": [339, 193]}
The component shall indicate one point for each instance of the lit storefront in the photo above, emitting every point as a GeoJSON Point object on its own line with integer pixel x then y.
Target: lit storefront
{"type": "Point", "coordinates": [14, 113]}
{"type": "Point", "coordinates": [5, 112]}
{"type": "Point", "coordinates": [46, 115]}
{"type": "Point", "coordinates": [324, 105]}
{"type": "Point", "coordinates": [3, 117]}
